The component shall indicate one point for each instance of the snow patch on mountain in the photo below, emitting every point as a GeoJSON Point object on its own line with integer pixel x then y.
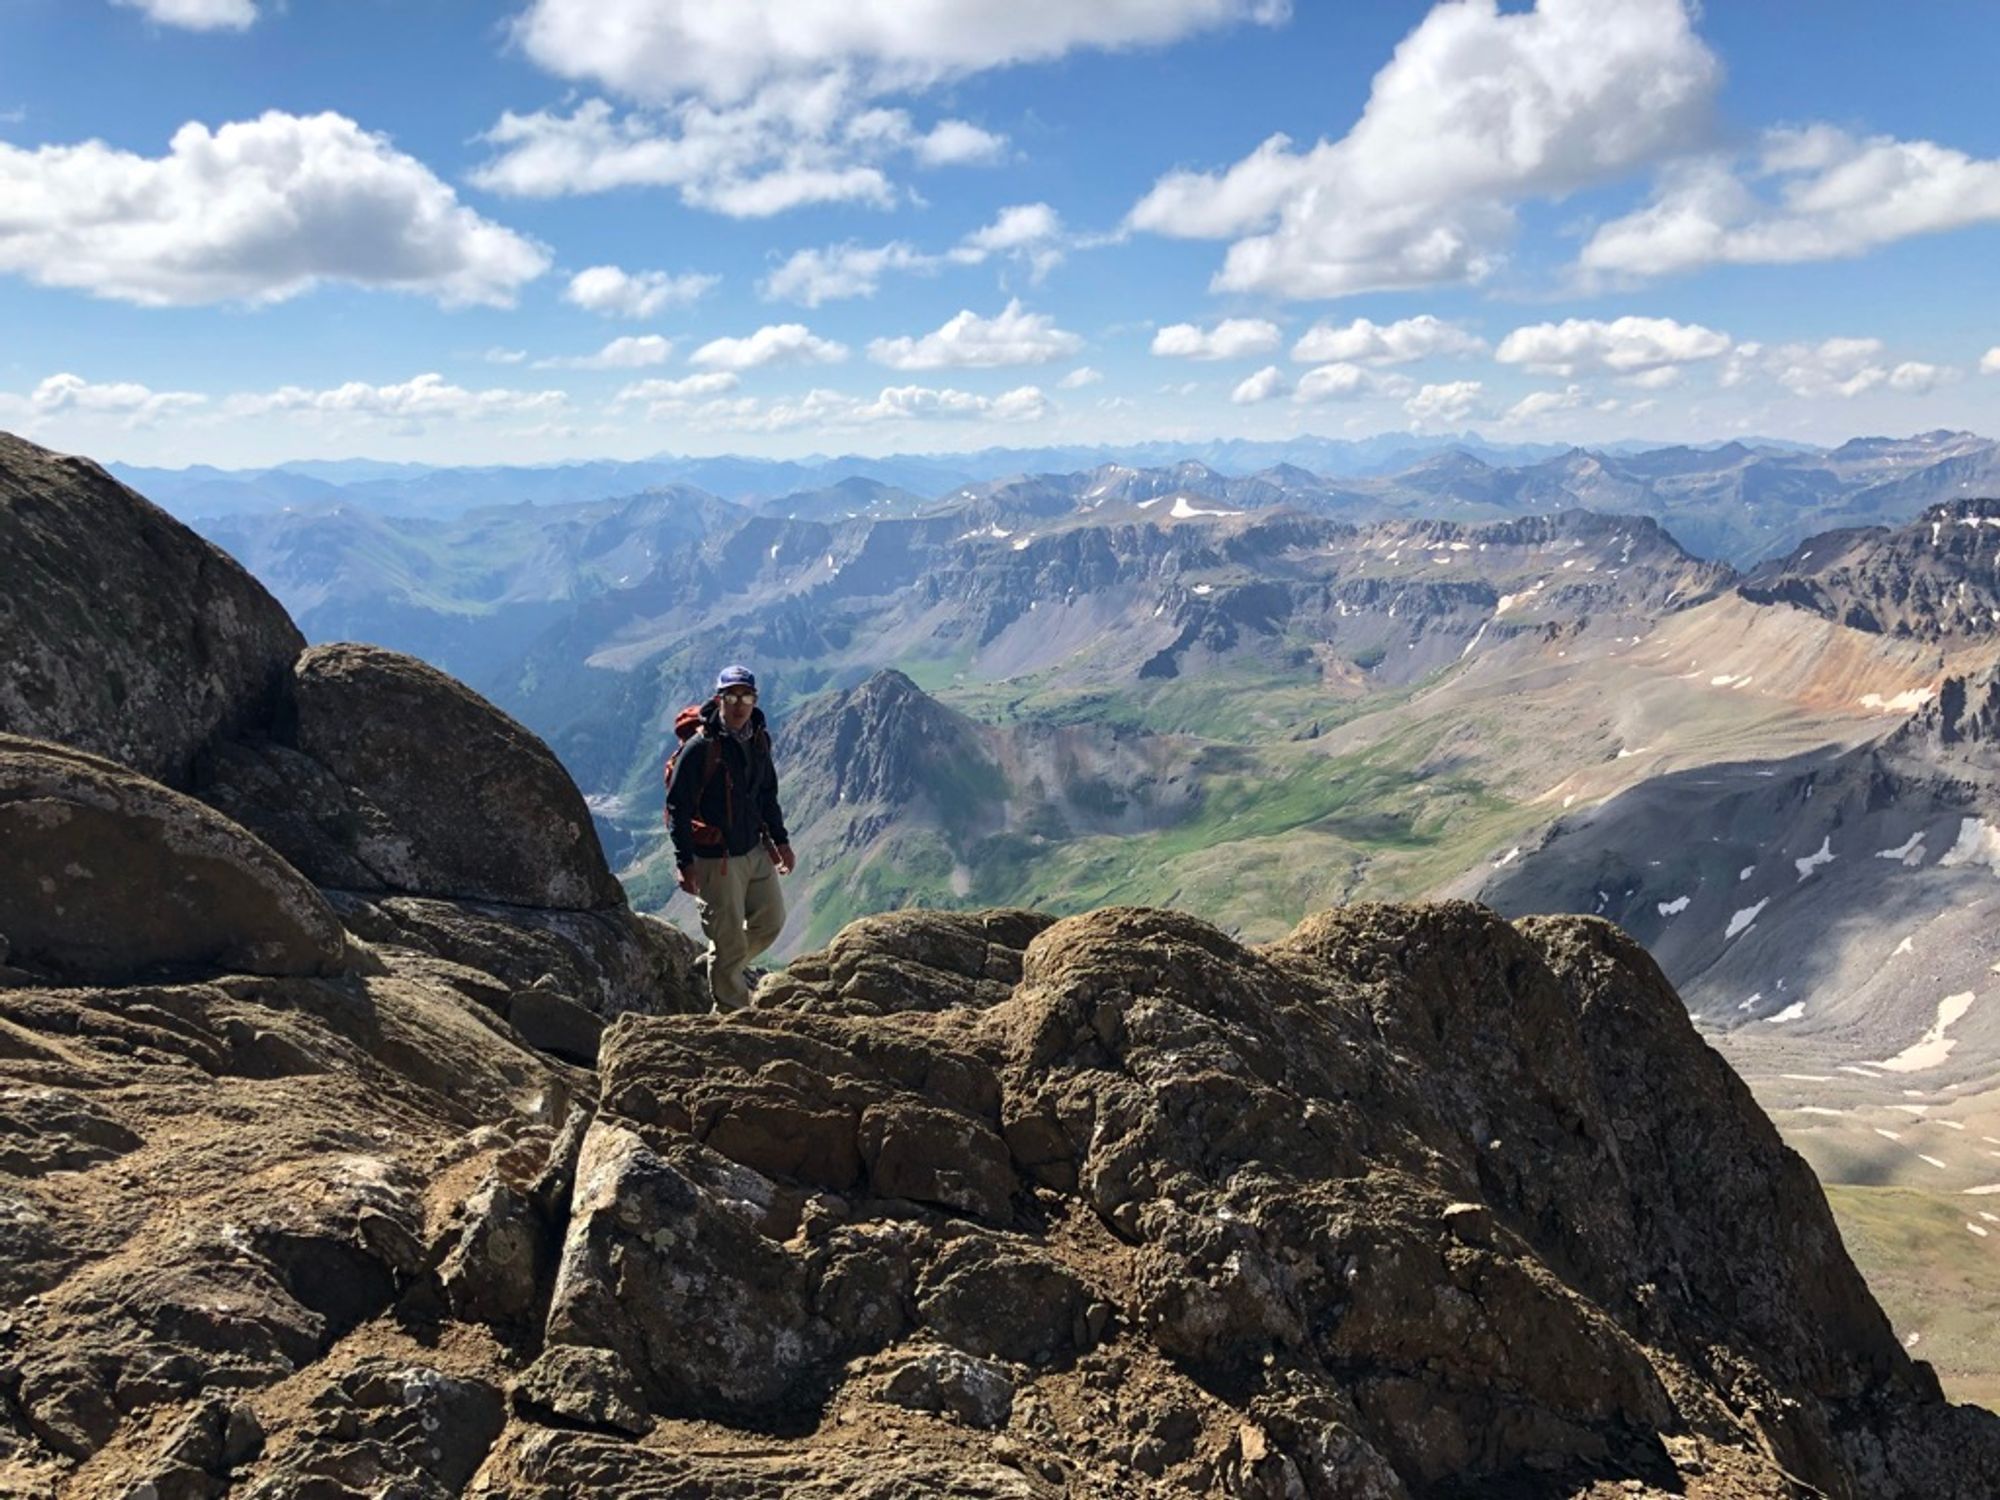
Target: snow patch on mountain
{"type": "Point", "coordinates": [1933, 1047]}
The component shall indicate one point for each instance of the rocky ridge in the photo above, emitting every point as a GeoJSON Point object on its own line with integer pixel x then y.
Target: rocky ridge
{"type": "Point", "coordinates": [1414, 1202]}
{"type": "Point", "coordinates": [1934, 579]}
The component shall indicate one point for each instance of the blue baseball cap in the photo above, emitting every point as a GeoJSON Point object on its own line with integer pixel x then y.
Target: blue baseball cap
{"type": "Point", "coordinates": [736, 677]}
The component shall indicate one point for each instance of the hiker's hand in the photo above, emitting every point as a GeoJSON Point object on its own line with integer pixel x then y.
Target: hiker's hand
{"type": "Point", "coordinates": [782, 854]}
{"type": "Point", "coordinates": [684, 878]}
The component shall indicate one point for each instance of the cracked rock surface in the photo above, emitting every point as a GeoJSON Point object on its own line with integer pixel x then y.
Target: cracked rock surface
{"type": "Point", "coordinates": [1414, 1203]}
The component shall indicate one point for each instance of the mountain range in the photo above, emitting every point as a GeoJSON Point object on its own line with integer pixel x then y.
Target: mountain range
{"type": "Point", "coordinates": [1737, 501]}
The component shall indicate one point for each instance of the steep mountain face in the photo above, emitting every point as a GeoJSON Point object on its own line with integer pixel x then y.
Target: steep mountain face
{"type": "Point", "coordinates": [1935, 579]}
{"type": "Point", "coordinates": [1787, 890]}
{"type": "Point", "coordinates": [1831, 918]}
{"type": "Point", "coordinates": [893, 799]}
{"type": "Point", "coordinates": [878, 751]}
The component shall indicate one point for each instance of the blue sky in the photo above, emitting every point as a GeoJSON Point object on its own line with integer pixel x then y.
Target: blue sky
{"type": "Point", "coordinates": [239, 231]}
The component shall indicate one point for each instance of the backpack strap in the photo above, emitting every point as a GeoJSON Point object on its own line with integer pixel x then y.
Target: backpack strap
{"type": "Point", "coordinates": [712, 762]}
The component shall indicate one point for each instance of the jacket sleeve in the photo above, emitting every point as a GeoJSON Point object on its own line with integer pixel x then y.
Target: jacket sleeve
{"type": "Point", "coordinates": [767, 801]}
{"type": "Point", "coordinates": [683, 793]}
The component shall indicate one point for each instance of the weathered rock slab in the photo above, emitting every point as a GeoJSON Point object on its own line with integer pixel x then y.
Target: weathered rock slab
{"type": "Point", "coordinates": [610, 962]}
{"type": "Point", "coordinates": [680, 1283]}
{"type": "Point", "coordinates": [977, 1392]}
{"type": "Point", "coordinates": [107, 875]}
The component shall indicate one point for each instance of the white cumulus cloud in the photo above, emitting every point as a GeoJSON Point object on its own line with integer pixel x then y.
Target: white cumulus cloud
{"type": "Point", "coordinates": [780, 151]}
{"type": "Point", "coordinates": [829, 409]}
{"type": "Point", "coordinates": [968, 341]}
{"type": "Point", "coordinates": [1232, 338]}
{"type": "Point", "coordinates": [1628, 346]}
{"type": "Point", "coordinates": [811, 277]}
{"type": "Point", "coordinates": [1816, 193]}
{"type": "Point", "coordinates": [197, 15]}
{"type": "Point", "coordinates": [1478, 110]}
{"type": "Point", "coordinates": [958, 143]}
{"type": "Point", "coordinates": [1031, 233]}
{"type": "Point", "coordinates": [1446, 405]}
{"type": "Point", "coordinates": [1843, 367]}
{"type": "Point", "coordinates": [1021, 227]}
{"type": "Point", "coordinates": [713, 383]}
{"type": "Point", "coordinates": [617, 293]}
{"type": "Point", "coordinates": [664, 398]}
{"type": "Point", "coordinates": [1542, 403]}
{"type": "Point", "coordinates": [1080, 377]}
{"type": "Point", "coordinates": [1989, 362]}
{"type": "Point", "coordinates": [1333, 383]}
{"type": "Point", "coordinates": [1364, 342]}
{"type": "Point", "coordinates": [752, 109]}
{"type": "Point", "coordinates": [1346, 382]}
{"type": "Point", "coordinates": [256, 211]}
{"type": "Point", "coordinates": [661, 49]}
{"type": "Point", "coordinates": [630, 353]}
{"type": "Point", "coordinates": [423, 397]}
{"type": "Point", "coordinates": [777, 343]}
{"type": "Point", "coordinates": [1915, 378]}
{"type": "Point", "coordinates": [136, 405]}
{"type": "Point", "coordinates": [1266, 385]}
{"type": "Point", "coordinates": [1833, 367]}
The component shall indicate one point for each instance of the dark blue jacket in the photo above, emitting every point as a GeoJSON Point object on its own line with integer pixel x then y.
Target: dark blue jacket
{"type": "Point", "coordinates": [740, 798]}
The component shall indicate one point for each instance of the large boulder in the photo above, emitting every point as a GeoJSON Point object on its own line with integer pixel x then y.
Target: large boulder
{"type": "Point", "coordinates": [126, 633]}
{"type": "Point", "coordinates": [105, 876]}
{"type": "Point", "coordinates": [386, 775]}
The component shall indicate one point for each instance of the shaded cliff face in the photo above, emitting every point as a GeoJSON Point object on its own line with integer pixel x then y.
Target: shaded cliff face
{"type": "Point", "coordinates": [894, 799]}
{"type": "Point", "coordinates": [1935, 579]}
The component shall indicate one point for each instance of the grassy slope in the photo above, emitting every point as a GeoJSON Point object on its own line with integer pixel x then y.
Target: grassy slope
{"type": "Point", "coordinates": [1281, 829]}
{"type": "Point", "coordinates": [1933, 1276]}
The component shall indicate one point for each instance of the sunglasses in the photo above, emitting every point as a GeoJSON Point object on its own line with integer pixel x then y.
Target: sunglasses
{"type": "Point", "coordinates": [740, 695]}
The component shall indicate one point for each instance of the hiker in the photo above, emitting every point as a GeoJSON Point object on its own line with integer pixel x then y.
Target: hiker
{"type": "Point", "coordinates": [730, 844]}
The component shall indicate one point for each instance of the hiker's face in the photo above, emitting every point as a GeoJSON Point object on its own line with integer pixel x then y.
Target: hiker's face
{"type": "Point", "coordinates": [736, 706]}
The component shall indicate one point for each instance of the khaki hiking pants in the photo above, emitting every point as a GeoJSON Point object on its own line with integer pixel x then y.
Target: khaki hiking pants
{"type": "Point", "coordinates": [742, 910]}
